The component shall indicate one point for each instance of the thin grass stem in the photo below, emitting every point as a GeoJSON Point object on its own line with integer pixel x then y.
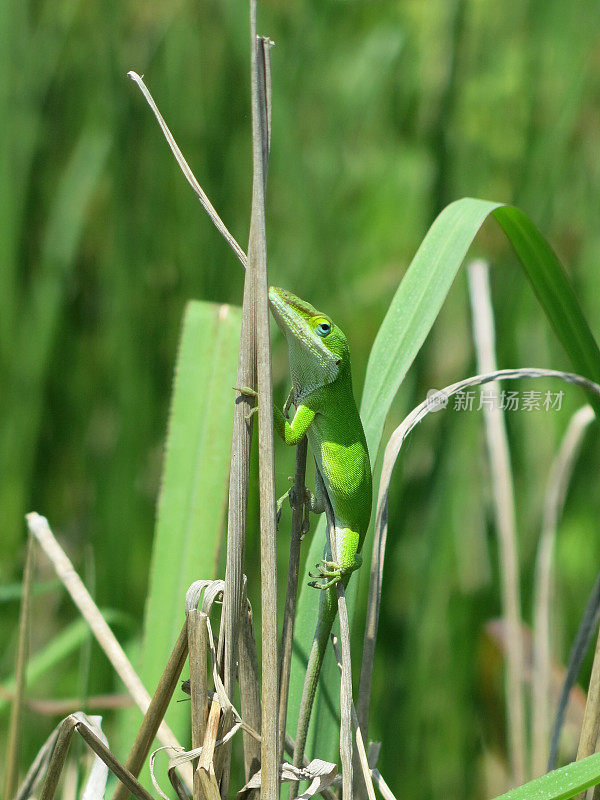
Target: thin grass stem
{"type": "Point", "coordinates": [360, 745]}
{"type": "Point", "coordinates": [14, 730]}
{"type": "Point", "coordinates": [504, 503]}
{"type": "Point", "coordinates": [63, 567]}
{"type": "Point", "coordinates": [249, 690]}
{"type": "Point", "coordinates": [558, 481]}
{"type": "Point", "coordinates": [291, 596]}
{"type": "Point", "coordinates": [156, 710]}
{"type": "Point", "coordinates": [346, 666]}
{"type": "Point", "coordinates": [189, 175]}
{"type": "Point", "coordinates": [373, 607]}
{"type": "Point", "coordinates": [385, 790]}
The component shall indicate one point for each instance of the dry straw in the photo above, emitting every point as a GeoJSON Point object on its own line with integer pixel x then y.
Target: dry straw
{"type": "Point", "coordinates": [506, 526]}
{"type": "Point", "coordinates": [254, 368]}
{"type": "Point", "coordinates": [64, 569]}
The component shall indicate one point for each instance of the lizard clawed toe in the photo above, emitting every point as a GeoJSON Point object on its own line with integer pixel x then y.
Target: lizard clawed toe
{"type": "Point", "coordinates": [328, 572]}
{"type": "Point", "coordinates": [324, 586]}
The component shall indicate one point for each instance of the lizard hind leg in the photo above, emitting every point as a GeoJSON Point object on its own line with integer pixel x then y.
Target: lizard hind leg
{"type": "Point", "coordinates": [309, 503]}
{"type": "Point", "coordinates": [330, 572]}
{"type": "Point", "coordinates": [312, 502]}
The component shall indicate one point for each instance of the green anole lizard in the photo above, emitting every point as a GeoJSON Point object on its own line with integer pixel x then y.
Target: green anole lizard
{"type": "Point", "coordinates": [326, 412]}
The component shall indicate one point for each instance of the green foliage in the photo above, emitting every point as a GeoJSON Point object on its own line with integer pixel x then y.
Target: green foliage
{"type": "Point", "coordinates": [193, 499]}
{"type": "Point", "coordinates": [383, 114]}
{"type": "Point", "coordinates": [408, 321]}
{"type": "Point", "coordinates": [561, 784]}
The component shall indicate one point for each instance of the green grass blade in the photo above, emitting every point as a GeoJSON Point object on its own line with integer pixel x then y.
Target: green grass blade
{"type": "Point", "coordinates": [64, 229]}
{"type": "Point", "coordinates": [14, 591]}
{"type": "Point", "coordinates": [415, 307]}
{"type": "Point", "coordinates": [561, 784]}
{"type": "Point", "coordinates": [407, 323]}
{"type": "Point", "coordinates": [423, 290]}
{"type": "Point", "coordinates": [193, 498]}
{"type": "Point", "coordinates": [554, 292]}
{"type": "Point", "coordinates": [65, 643]}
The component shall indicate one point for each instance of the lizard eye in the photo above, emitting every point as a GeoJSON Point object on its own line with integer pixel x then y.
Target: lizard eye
{"type": "Point", "coordinates": [323, 328]}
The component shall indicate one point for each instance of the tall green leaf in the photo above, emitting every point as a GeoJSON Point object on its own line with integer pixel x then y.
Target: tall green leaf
{"type": "Point", "coordinates": [409, 319]}
{"type": "Point", "coordinates": [561, 784]}
{"type": "Point", "coordinates": [193, 498]}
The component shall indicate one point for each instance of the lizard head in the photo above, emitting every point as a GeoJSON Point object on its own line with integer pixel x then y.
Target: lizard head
{"type": "Point", "coordinates": [318, 348]}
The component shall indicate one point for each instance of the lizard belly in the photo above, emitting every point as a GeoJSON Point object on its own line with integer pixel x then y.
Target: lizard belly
{"type": "Point", "coordinates": [346, 473]}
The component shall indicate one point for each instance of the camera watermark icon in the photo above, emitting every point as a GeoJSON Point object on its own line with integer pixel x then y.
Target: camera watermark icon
{"type": "Point", "coordinates": [437, 399]}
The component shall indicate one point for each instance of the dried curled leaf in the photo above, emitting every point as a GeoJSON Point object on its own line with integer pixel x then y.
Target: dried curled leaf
{"type": "Point", "coordinates": [320, 773]}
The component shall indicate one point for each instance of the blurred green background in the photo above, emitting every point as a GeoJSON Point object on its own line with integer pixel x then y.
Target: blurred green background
{"type": "Point", "coordinates": [383, 112]}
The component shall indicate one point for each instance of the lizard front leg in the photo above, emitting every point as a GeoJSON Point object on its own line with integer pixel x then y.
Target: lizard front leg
{"type": "Point", "coordinates": [292, 433]}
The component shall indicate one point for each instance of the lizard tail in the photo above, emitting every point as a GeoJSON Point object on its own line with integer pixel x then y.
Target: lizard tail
{"type": "Point", "coordinates": [327, 614]}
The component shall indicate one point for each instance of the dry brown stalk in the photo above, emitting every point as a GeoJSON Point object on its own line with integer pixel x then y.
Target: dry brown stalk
{"type": "Point", "coordinates": [185, 168]}
{"type": "Point", "coordinates": [80, 723]}
{"type": "Point", "coordinates": [205, 769]}
{"type": "Point", "coordinates": [238, 490]}
{"type": "Point", "coordinates": [249, 690]}
{"type": "Point", "coordinates": [291, 596]}
{"type": "Point", "coordinates": [63, 567]}
{"type": "Point", "coordinates": [156, 711]}
{"type": "Point", "coordinates": [360, 745]}
{"type": "Point", "coordinates": [257, 267]}
{"type": "Point", "coordinates": [198, 644]}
